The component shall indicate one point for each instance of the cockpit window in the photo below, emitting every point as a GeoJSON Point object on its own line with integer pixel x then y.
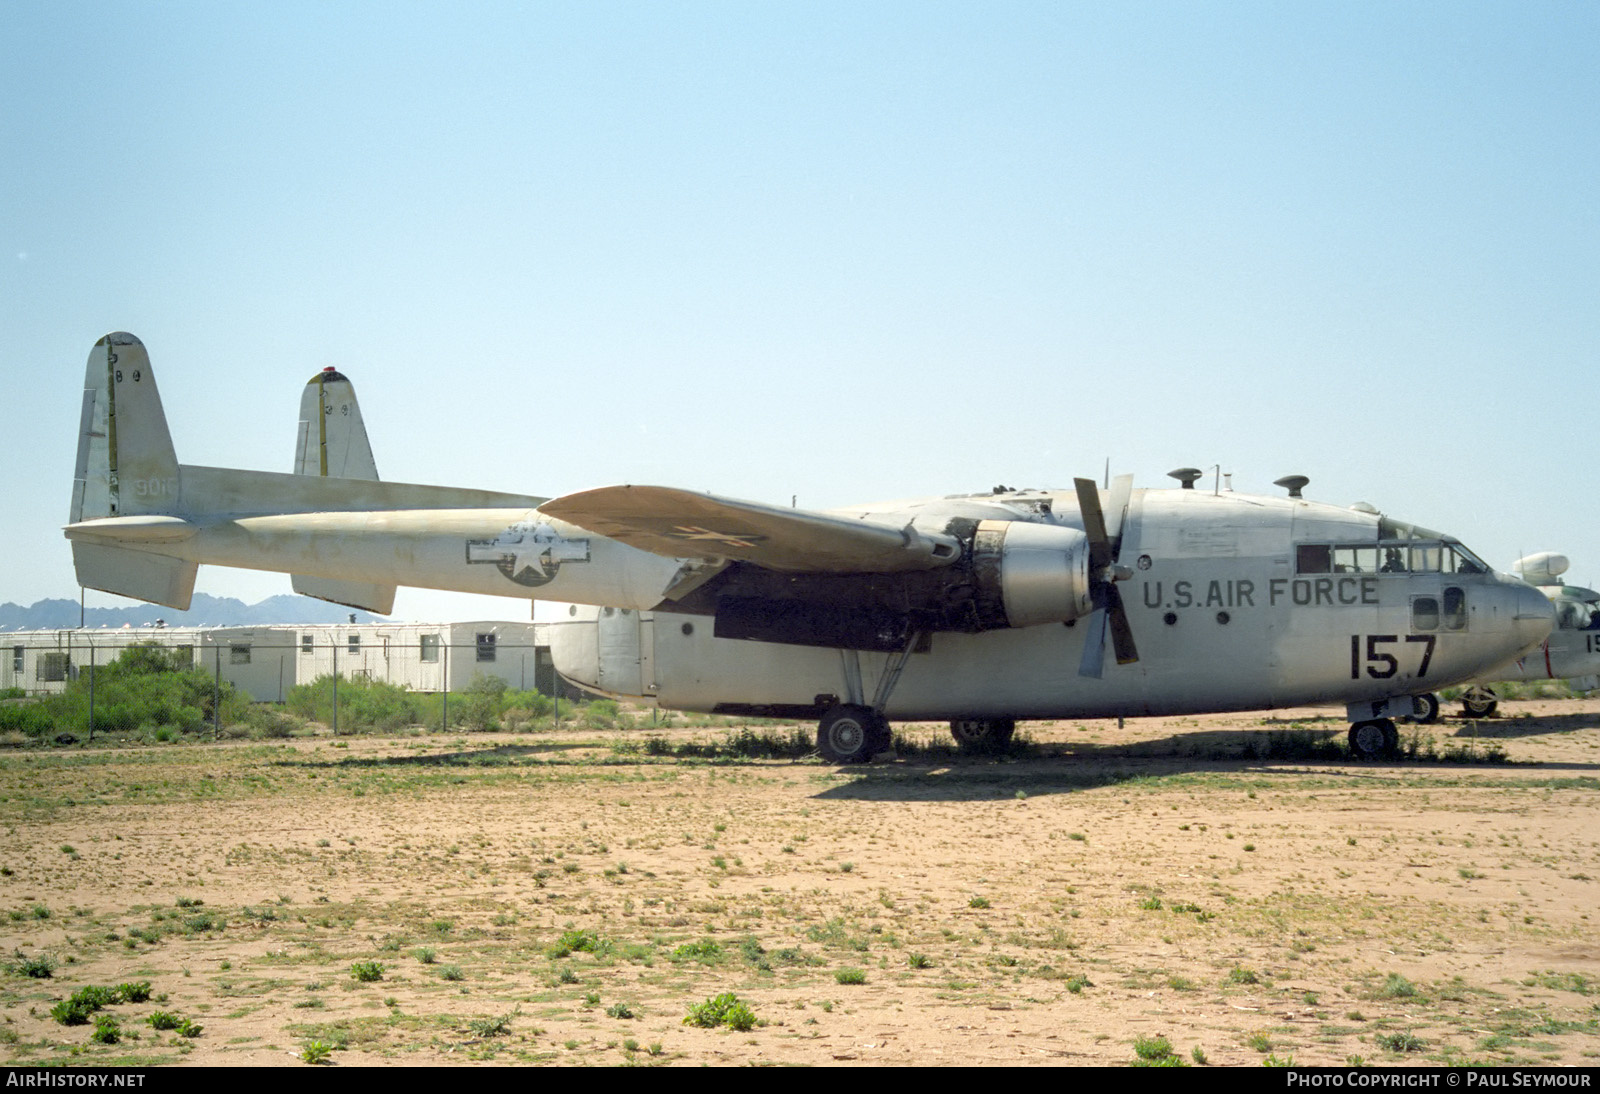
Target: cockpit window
{"type": "Point", "coordinates": [1459, 560]}
{"type": "Point", "coordinates": [1355, 560]}
{"type": "Point", "coordinates": [1390, 556]}
{"type": "Point", "coordinates": [1313, 558]}
{"type": "Point", "coordinates": [1575, 615]}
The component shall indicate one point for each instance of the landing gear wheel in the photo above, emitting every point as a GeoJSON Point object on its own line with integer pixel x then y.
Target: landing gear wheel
{"type": "Point", "coordinates": [1426, 709]}
{"type": "Point", "coordinates": [879, 736]}
{"type": "Point", "coordinates": [1478, 702]}
{"type": "Point", "coordinates": [983, 736]}
{"type": "Point", "coordinates": [851, 734]}
{"type": "Point", "coordinates": [1374, 740]}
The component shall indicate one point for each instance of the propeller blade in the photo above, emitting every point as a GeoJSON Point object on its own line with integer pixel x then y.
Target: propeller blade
{"type": "Point", "coordinates": [1094, 524]}
{"type": "Point", "coordinates": [1117, 511]}
{"type": "Point", "coordinates": [1121, 633]}
{"type": "Point", "coordinates": [1104, 547]}
{"type": "Point", "coordinates": [1092, 664]}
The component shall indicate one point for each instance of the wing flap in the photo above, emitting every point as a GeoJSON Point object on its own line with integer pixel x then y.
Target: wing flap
{"type": "Point", "coordinates": [686, 524]}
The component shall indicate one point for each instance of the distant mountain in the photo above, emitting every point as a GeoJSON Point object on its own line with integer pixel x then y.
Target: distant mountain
{"type": "Point", "coordinates": [205, 611]}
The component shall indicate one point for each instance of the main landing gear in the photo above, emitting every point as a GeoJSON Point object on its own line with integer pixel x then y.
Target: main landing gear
{"type": "Point", "coordinates": [1425, 709]}
{"type": "Point", "coordinates": [1374, 740]}
{"type": "Point", "coordinates": [855, 731]}
{"type": "Point", "coordinates": [983, 736]}
{"type": "Point", "coordinates": [851, 733]}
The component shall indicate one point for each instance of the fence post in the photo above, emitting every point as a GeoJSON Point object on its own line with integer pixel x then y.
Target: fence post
{"type": "Point", "coordinates": [444, 719]}
{"type": "Point", "coordinates": [336, 685]}
{"type": "Point", "coordinates": [216, 697]}
{"type": "Point", "coordinates": [91, 690]}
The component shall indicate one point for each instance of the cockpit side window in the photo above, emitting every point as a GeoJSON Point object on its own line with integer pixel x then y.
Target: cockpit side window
{"type": "Point", "coordinates": [1355, 560]}
{"type": "Point", "coordinates": [1426, 558]}
{"type": "Point", "coordinates": [1394, 560]}
{"type": "Point", "coordinates": [1313, 558]}
{"type": "Point", "coordinates": [1459, 560]}
{"type": "Point", "coordinates": [1455, 609]}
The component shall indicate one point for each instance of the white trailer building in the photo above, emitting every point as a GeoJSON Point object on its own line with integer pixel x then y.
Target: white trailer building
{"type": "Point", "coordinates": [265, 662]}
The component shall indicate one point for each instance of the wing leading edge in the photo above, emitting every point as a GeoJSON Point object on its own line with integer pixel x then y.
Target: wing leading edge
{"type": "Point", "coordinates": [686, 524]}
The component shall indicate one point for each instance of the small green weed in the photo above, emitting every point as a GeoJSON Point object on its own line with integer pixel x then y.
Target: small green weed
{"type": "Point", "coordinates": [723, 1010]}
{"type": "Point", "coordinates": [1155, 1052]}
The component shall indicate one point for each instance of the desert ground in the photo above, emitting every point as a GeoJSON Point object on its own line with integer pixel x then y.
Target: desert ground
{"type": "Point", "coordinates": [1223, 885]}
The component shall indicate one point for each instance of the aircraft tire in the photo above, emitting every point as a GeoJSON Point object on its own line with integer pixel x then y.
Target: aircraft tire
{"type": "Point", "coordinates": [851, 734]}
{"type": "Point", "coordinates": [1427, 709]}
{"type": "Point", "coordinates": [1374, 740]}
{"type": "Point", "coordinates": [983, 736]}
{"type": "Point", "coordinates": [881, 738]}
{"type": "Point", "coordinates": [1478, 702]}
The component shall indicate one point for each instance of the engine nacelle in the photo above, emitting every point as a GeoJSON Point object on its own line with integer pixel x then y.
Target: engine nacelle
{"type": "Point", "coordinates": [1030, 573]}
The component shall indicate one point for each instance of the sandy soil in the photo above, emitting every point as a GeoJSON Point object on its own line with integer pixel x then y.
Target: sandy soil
{"type": "Point", "coordinates": [1118, 883]}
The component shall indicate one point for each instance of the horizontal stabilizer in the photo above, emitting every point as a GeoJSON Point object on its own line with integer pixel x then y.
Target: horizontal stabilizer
{"type": "Point", "coordinates": [143, 576]}
{"type": "Point", "coordinates": [685, 524]}
{"type": "Point", "coordinates": [378, 599]}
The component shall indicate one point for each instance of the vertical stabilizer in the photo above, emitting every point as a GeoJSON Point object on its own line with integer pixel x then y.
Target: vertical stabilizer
{"type": "Point", "coordinates": [332, 443]}
{"type": "Point", "coordinates": [126, 465]}
{"type": "Point", "coordinates": [332, 439]}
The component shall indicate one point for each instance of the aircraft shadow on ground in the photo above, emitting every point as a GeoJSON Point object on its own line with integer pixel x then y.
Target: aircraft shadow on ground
{"type": "Point", "coordinates": [969, 781]}
{"type": "Point", "coordinates": [493, 756]}
{"type": "Point", "coordinates": [1507, 728]}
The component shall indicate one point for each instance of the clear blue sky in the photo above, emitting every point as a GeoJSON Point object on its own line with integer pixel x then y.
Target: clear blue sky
{"type": "Point", "coordinates": [841, 251]}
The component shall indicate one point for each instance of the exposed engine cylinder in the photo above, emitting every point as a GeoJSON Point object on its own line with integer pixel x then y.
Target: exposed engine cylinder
{"type": "Point", "coordinates": [1030, 573]}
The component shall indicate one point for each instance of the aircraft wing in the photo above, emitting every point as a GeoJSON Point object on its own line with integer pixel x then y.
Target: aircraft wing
{"type": "Point", "coordinates": [686, 524]}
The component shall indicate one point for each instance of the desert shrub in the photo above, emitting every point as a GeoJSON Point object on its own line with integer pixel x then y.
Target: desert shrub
{"type": "Point", "coordinates": [722, 1010]}
{"type": "Point", "coordinates": [575, 941]}
{"type": "Point", "coordinates": [481, 702]}
{"type": "Point", "coordinates": [148, 689]}
{"type": "Point", "coordinates": [107, 1030]}
{"type": "Point", "coordinates": [30, 719]}
{"type": "Point", "coordinates": [363, 704]}
{"type": "Point", "coordinates": [38, 967]}
{"type": "Point", "coordinates": [270, 723]}
{"type": "Point", "coordinates": [603, 714]}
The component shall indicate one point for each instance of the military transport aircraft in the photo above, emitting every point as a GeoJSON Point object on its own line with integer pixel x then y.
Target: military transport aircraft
{"type": "Point", "coordinates": [976, 608]}
{"type": "Point", "coordinates": [1571, 653]}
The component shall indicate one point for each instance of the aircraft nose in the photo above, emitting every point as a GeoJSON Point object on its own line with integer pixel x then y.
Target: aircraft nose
{"type": "Point", "coordinates": [1532, 614]}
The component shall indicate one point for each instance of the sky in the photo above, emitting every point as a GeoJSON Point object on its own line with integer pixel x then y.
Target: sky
{"type": "Point", "coordinates": [834, 252]}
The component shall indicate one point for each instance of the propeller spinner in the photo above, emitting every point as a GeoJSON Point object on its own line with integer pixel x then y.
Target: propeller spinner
{"type": "Point", "coordinates": [1104, 573]}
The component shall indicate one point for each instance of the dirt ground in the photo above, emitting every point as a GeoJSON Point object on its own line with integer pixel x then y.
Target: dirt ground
{"type": "Point", "coordinates": [567, 897]}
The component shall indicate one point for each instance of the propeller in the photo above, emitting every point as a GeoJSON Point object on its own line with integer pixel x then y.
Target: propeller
{"type": "Point", "coordinates": [1104, 573]}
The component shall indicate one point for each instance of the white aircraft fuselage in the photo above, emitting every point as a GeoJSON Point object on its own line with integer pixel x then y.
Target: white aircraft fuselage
{"type": "Point", "coordinates": [1239, 602]}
